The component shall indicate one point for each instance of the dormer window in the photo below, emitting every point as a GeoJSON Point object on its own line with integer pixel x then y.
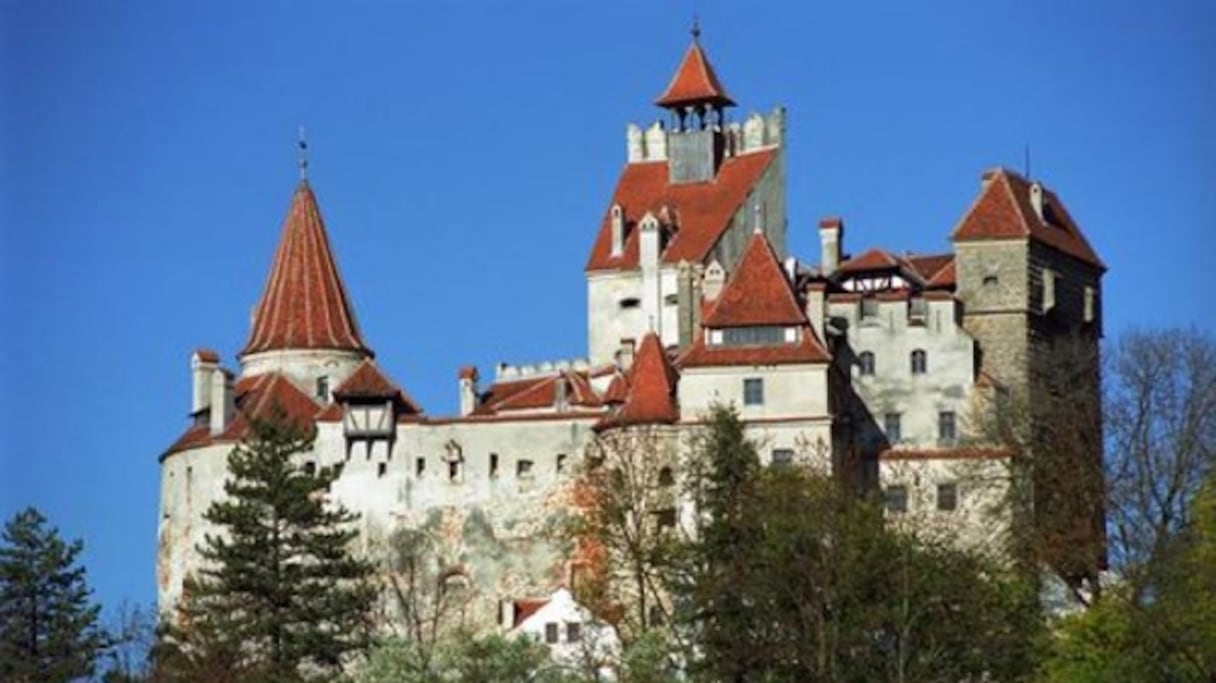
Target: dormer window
{"type": "Point", "coordinates": [368, 420]}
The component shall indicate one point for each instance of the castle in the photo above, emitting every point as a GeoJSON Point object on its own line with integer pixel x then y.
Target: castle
{"type": "Point", "coordinates": [867, 365]}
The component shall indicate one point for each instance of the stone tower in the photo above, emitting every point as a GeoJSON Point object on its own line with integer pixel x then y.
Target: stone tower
{"type": "Point", "coordinates": [1030, 284]}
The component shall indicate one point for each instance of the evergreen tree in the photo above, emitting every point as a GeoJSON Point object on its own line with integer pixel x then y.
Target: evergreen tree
{"type": "Point", "coordinates": [48, 625]}
{"type": "Point", "coordinates": [280, 598]}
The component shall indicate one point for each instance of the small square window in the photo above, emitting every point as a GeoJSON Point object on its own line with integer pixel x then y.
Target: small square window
{"type": "Point", "coordinates": [753, 391]}
{"type": "Point", "coordinates": [869, 307]}
{"type": "Point", "coordinates": [896, 499]}
{"type": "Point", "coordinates": [574, 632]}
{"type": "Point", "coordinates": [551, 633]}
{"type": "Point", "coordinates": [665, 518]}
{"type": "Point", "coordinates": [666, 477]}
{"type": "Point", "coordinates": [523, 469]}
{"type": "Point", "coordinates": [947, 497]}
{"type": "Point", "coordinates": [310, 468]}
{"type": "Point", "coordinates": [946, 431]}
{"type": "Point", "coordinates": [891, 426]}
{"type": "Point", "coordinates": [782, 456]}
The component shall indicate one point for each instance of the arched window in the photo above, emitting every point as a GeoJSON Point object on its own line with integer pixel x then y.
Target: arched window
{"type": "Point", "coordinates": [920, 362]}
{"type": "Point", "coordinates": [666, 478]}
{"type": "Point", "coordinates": [865, 361]}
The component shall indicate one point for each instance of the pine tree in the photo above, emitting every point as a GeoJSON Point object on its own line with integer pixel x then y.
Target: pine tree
{"type": "Point", "coordinates": [48, 625]}
{"type": "Point", "coordinates": [280, 597]}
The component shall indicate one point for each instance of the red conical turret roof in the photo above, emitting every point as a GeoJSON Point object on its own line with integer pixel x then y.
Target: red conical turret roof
{"type": "Point", "coordinates": [757, 293]}
{"type": "Point", "coordinates": [651, 397]}
{"type": "Point", "coordinates": [304, 305]}
{"type": "Point", "coordinates": [695, 83]}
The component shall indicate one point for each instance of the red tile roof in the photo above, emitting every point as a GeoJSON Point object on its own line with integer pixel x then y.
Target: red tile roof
{"type": "Point", "coordinates": [525, 609]}
{"type": "Point", "coordinates": [652, 389]}
{"type": "Point", "coordinates": [873, 259]}
{"type": "Point", "coordinates": [304, 304]}
{"type": "Point", "coordinates": [618, 390]}
{"type": "Point", "coordinates": [928, 265]}
{"type": "Point", "coordinates": [945, 278]}
{"type": "Point", "coordinates": [538, 392]}
{"type": "Point", "coordinates": [695, 83]}
{"type": "Point", "coordinates": [207, 355]}
{"type": "Point", "coordinates": [368, 381]}
{"type": "Point", "coordinates": [258, 397]}
{"type": "Point", "coordinates": [1003, 211]}
{"type": "Point", "coordinates": [808, 349]}
{"type": "Point", "coordinates": [757, 293]}
{"type": "Point", "coordinates": [703, 211]}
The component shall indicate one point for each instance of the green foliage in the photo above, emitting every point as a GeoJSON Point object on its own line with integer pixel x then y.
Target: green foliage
{"type": "Point", "coordinates": [463, 657]}
{"type": "Point", "coordinates": [792, 578]}
{"type": "Point", "coordinates": [48, 625]}
{"type": "Point", "coordinates": [280, 598]}
{"type": "Point", "coordinates": [650, 658]}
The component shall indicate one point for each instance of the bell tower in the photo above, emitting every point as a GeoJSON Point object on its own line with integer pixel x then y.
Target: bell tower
{"type": "Point", "coordinates": [697, 103]}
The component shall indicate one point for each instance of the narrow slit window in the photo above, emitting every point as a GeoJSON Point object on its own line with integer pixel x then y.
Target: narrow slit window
{"type": "Point", "coordinates": [420, 467]}
{"type": "Point", "coordinates": [493, 465]}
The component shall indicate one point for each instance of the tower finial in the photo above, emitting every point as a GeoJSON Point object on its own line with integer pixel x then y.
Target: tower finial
{"type": "Point", "coordinates": [302, 143]}
{"type": "Point", "coordinates": [696, 29]}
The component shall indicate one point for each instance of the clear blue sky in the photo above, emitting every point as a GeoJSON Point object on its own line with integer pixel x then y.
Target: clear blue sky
{"type": "Point", "coordinates": [464, 154]}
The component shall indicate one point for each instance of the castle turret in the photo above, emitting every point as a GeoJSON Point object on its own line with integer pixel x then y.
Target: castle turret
{"type": "Point", "coordinates": [304, 325]}
{"type": "Point", "coordinates": [697, 101]}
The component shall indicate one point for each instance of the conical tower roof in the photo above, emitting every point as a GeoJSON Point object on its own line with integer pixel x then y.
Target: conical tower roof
{"type": "Point", "coordinates": [695, 82]}
{"type": "Point", "coordinates": [304, 304]}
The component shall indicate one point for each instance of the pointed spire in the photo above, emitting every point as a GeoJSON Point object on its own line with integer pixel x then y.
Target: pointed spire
{"type": "Point", "coordinates": [758, 292]}
{"type": "Point", "coordinates": [304, 304]}
{"type": "Point", "coordinates": [695, 83]}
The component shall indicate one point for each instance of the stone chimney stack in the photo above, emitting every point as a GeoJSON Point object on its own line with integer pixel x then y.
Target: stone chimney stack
{"type": "Point", "coordinates": [222, 401]}
{"type": "Point", "coordinates": [203, 363]}
{"type": "Point", "coordinates": [1037, 199]}
{"type": "Point", "coordinates": [816, 307]}
{"type": "Point", "coordinates": [468, 390]}
{"type": "Point", "coordinates": [831, 238]}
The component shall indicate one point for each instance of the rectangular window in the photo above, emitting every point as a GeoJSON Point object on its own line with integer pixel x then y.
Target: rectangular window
{"type": "Point", "coordinates": [310, 468]}
{"type": "Point", "coordinates": [947, 497]}
{"type": "Point", "coordinates": [896, 499]}
{"type": "Point", "coordinates": [753, 336]}
{"type": "Point", "coordinates": [381, 469]}
{"type": "Point", "coordinates": [493, 465]}
{"type": "Point", "coordinates": [753, 391]}
{"type": "Point", "coordinates": [523, 469]}
{"type": "Point", "coordinates": [323, 388]}
{"type": "Point", "coordinates": [918, 311]}
{"type": "Point", "coordinates": [1091, 304]}
{"type": "Point", "coordinates": [454, 470]}
{"type": "Point", "coordinates": [946, 434]}
{"type": "Point", "coordinates": [551, 633]}
{"type": "Point", "coordinates": [420, 467]}
{"type": "Point", "coordinates": [783, 456]}
{"type": "Point", "coordinates": [665, 519]}
{"type": "Point", "coordinates": [869, 307]}
{"type": "Point", "coordinates": [891, 427]}
{"type": "Point", "coordinates": [574, 632]}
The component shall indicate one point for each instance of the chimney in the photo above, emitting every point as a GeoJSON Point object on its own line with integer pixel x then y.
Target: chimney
{"type": "Point", "coordinates": [624, 356]}
{"type": "Point", "coordinates": [816, 307]}
{"type": "Point", "coordinates": [634, 143]}
{"type": "Point", "coordinates": [617, 216]}
{"type": "Point", "coordinates": [203, 363]}
{"type": "Point", "coordinates": [648, 247]}
{"type": "Point", "coordinates": [468, 390]}
{"type": "Point", "coordinates": [1037, 199]}
{"type": "Point", "coordinates": [831, 237]}
{"type": "Point", "coordinates": [560, 391]}
{"type": "Point", "coordinates": [222, 401]}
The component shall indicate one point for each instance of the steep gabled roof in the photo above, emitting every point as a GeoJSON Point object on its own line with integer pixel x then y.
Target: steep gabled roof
{"type": "Point", "coordinates": [757, 293]}
{"type": "Point", "coordinates": [652, 389]}
{"type": "Point", "coordinates": [703, 211]}
{"type": "Point", "coordinates": [368, 381]}
{"type": "Point", "coordinates": [304, 304]}
{"type": "Point", "coordinates": [1003, 210]}
{"type": "Point", "coordinates": [695, 83]}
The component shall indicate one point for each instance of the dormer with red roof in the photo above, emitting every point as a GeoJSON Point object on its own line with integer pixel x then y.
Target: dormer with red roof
{"type": "Point", "coordinates": [304, 325]}
{"type": "Point", "coordinates": [691, 192]}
